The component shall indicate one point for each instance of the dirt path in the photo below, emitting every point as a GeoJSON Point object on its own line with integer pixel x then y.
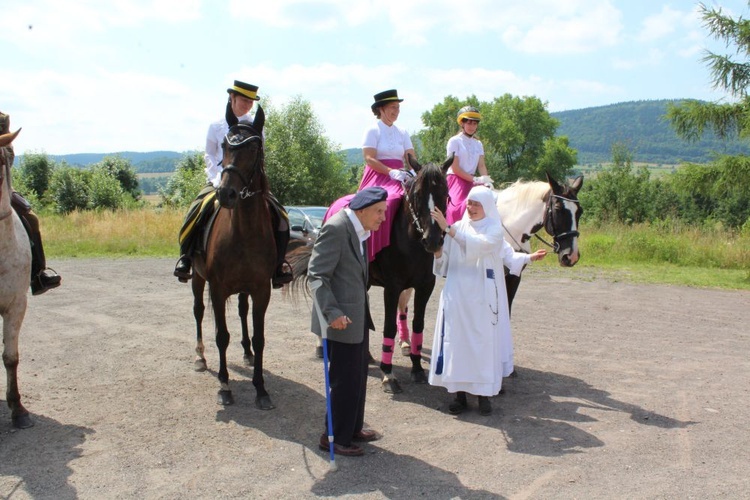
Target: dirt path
{"type": "Point", "coordinates": [624, 391]}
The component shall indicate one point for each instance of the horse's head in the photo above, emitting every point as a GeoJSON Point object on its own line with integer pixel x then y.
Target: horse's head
{"type": "Point", "coordinates": [561, 219]}
{"type": "Point", "coordinates": [243, 175]}
{"type": "Point", "coordinates": [428, 190]}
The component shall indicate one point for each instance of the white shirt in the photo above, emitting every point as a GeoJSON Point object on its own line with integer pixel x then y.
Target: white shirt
{"type": "Point", "coordinates": [362, 233]}
{"type": "Point", "coordinates": [390, 142]}
{"type": "Point", "coordinates": [467, 150]}
{"type": "Point", "coordinates": [213, 156]}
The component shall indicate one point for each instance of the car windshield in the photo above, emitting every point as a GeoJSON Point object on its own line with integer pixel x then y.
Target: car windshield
{"type": "Point", "coordinates": [315, 214]}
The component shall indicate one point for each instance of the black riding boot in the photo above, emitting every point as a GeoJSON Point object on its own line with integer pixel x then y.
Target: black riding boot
{"type": "Point", "coordinates": [182, 268]}
{"type": "Point", "coordinates": [42, 279]}
{"type": "Point", "coordinates": [283, 273]}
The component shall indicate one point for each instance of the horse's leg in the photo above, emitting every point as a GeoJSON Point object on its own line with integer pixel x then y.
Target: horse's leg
{"type": "Point", "coordinates": [260, 304]}
{"type": "Point", "coordinates": [511, 286]}
{"type": "Point", "coordinates": [421, 297]}
{"type": "Point", "coordinates": [243, 307]}
{"type": "Point", "coordinates": [198, 285]}
{"type": "Point", "coordinates": [403, 325]}
{"type": "Point", "coordinates": [11, 328]}
{"type": "Point", "coordinates": [390, 383]}
{"type": "Point", "coordinates": [222, 342]}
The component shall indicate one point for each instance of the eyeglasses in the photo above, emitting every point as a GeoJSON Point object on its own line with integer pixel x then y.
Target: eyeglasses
{"type": "Point", "coordinates": [470, 122]}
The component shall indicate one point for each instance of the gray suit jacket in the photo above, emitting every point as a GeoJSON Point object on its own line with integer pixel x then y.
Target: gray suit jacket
{"type": "Point", "coordinates": [338, 263]}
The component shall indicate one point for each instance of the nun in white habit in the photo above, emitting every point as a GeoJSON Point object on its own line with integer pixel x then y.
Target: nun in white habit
{"type": "Point", "coordinates": [472, 349]}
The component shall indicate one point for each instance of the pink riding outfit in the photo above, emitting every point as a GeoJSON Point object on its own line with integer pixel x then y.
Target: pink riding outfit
{"type": "Point", "coordinates": [458, 190]}
{"type": "Point", "coordinates": [468, 151]}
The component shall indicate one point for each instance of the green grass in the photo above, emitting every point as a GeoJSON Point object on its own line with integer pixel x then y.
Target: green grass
{"type": "Point", "coordinates": [670, 254]}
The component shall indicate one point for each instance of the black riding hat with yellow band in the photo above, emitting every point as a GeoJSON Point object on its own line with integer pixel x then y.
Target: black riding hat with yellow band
{"type": "Point", "coordinates": [245, 90]}
{"type": "Point", "coordinates": [468, 113]}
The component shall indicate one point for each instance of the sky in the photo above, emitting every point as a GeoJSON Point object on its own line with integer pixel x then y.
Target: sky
{"type": "Point", "coordinates": [92, 76]}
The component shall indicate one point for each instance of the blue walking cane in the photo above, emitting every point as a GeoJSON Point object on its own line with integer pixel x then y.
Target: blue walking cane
{"type": "Point", "coordinates": [324, 329]}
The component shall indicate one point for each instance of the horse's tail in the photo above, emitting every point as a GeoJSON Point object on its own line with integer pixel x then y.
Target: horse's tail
{"type": "Point", "coordinates": [298, 259]}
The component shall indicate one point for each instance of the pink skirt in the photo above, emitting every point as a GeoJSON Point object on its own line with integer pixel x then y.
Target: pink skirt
{"type": "Point", "coordinates": [382, 237]}
{"type": "Point", "coordinates": [458, 190]}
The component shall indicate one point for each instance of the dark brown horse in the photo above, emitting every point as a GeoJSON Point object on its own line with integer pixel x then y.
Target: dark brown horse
{"type": "Point", "coordinates": [406, 263]}
{"type": "Point", "coordinates": [240, 253]}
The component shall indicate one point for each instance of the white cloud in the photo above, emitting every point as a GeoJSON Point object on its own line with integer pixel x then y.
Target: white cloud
{"type": "Point", "coordinates": [536, 26]}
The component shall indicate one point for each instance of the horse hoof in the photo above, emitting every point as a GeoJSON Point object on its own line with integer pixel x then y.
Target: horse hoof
{"type": "Point", "coordinates": [392, 386]}
{"type": "Point", "coordinates": [249, 360]}
{"type": "Point", "coordinates": [22, 421]}
{"type": "Point", "coordinates": [264, 403]}
{"type": "Point", "coordinates": [319, 351]}
{"type": "Point", "coordinates": [225, 398]}
{"type": "Point", "coordinates": [419, 377]}
{"type": "Point", "coordinates": [405, 348]}
{"type": "Point", "coordinates": [200, 365]}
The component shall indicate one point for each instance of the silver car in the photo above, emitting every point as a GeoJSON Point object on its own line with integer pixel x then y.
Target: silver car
{"type": "Point", "coordinates": [305, 222]}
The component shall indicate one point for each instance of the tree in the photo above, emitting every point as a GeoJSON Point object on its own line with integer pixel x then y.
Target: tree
{"type": "Point", "coordinates": [186, 182]}
{"type": "Point", "coordinates": [692, 118]}
{"type": "Point", "coordinates": [518, 135]}
{"type": "Point", "coordinates": [69, 189]}
{"type": "Point", "coordinates": [121, 170]}
{"type": "Point", "coordinates": [303, 166]}
{"type": "Point", "coordinates": [617, 194]}
{"type": "Point", "coordinates": [36, 170]}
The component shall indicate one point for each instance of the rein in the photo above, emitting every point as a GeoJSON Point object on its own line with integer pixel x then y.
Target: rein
{"type": "Point", "coordinates": [414, 217]}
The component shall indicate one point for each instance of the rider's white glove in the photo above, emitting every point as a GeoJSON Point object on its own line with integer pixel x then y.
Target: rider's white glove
{"type": "Point", "coordinates": [398, 175]}
{"type": "Point", "coordinates": [484, 180]}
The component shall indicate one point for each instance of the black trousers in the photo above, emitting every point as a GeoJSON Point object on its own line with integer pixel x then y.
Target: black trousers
{"type": "Point", "coordinates": [347, 372]}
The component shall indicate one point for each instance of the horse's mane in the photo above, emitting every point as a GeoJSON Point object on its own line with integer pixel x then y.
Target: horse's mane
{"type": "Point", "coordinates": [523, 194]}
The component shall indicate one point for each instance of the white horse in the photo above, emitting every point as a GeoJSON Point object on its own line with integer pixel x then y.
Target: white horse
{"type": "Point", "coordinates": [527, 207]}
{"type": "Point", "coordinates": [15, 270]}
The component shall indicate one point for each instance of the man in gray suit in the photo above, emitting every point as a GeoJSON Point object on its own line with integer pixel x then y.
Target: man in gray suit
{"type": "Point", "coordinates": [339, 262]}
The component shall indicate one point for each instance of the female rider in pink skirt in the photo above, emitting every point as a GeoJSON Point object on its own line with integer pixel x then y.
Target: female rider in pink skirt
{"type": "Point", "coordinates": [468, 161]}
{"type": "Point", "coordinates": [385, 147]}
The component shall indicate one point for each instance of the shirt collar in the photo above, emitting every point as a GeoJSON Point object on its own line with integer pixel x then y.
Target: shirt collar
{"type": "Point", "coordinates": [362, 233]}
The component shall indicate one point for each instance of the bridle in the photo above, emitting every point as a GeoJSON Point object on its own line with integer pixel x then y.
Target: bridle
{"type": "Point", "coordinates": [236, 141]}
{"type": "Point", "coordinates": [549, 224]}
{"type": "Point", "coordinates": [410, 205]}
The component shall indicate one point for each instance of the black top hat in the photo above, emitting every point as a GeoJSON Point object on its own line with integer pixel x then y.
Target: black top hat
{"type": "Point", "coordinates": [244, 89]}
{"type": "Point", "coordinates": [385, 97]}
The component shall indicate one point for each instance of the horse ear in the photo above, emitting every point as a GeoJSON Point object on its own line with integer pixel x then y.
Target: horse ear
{"type": "Point", "coordinates": [413, 163]}
{"type": "Point", "coordinates": [577, 184]}
{"type": "Point", "coordinates": [6, 139]}
{"type": "Point", "coordinates": [229, 115]}
{"type": "Point", "coordinates": [556, 188]}
{"type": "Point", "coordinates": [259, 120]}
{"type": "Point", "coordinates": [447, 163]}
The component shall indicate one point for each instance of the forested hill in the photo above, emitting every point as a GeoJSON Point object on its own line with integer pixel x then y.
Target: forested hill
{"type": "Point", "coordinates": [153, 161]}
{"type": "Point", "coordinates": [639, 125]}
{"type": "Point", "coordinates": [642, 128]}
